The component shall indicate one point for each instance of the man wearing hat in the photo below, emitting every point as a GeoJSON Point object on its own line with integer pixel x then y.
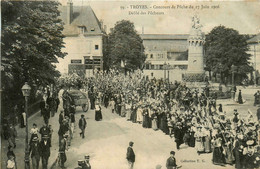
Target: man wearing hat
{"type": "Point", "coordinates": [171, 161]}
{"type": "Point", "coordinates": [62, 152]}
{"type": "Point", "coordinates": [178, 133]}
{"type": "Point", "coordinates": [86, 163]}
{"type": "Point", "coordinates": [45, 151]}
{"type": "Point", "coordinates": [34, 150]}
{"type": "Point", "coordinates": [82, 126]}
{"type": "Point", "coordinates": [130, 155]}
{"type": "Point", "coordinates": [45, 131]}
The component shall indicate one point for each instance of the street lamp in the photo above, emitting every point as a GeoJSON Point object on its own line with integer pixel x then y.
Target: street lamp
{"type": "Point", "coordinates": [26, 93]}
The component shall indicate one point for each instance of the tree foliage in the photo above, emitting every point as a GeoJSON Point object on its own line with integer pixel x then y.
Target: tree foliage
{"type": "Point", "coordinates": [31, 43]}
{"type": "Point", "coordinates": [225, 47]}
{"type": "Point", "coordinates": [124, 44]}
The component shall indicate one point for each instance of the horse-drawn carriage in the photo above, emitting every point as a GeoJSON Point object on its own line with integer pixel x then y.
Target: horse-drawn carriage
{"type": "Point", "coordinates": [75, 98]}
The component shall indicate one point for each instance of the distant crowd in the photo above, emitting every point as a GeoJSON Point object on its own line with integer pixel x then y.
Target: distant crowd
{"type": "Point", "coordinates": [190, 115]}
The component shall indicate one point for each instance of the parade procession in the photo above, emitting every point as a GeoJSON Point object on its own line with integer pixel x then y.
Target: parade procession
{"type": "Point", "coordinates": [130, 85]}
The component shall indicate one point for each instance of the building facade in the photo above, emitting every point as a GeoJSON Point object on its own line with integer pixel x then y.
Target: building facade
{"type": "Point", "coordinates": [254, 50]}
{"type": "Point", "coordinates": [162, 52]}
{"type": "Point", "coordinates": [84, 36]}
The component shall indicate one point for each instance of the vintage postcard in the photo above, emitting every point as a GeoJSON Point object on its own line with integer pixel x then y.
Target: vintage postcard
{"type": "Point", "coordinates": [130, 84]}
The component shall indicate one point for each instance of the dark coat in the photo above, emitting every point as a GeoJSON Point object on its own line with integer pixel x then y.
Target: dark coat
{"type": "Point", "coordinates": [171, 163]}
{"type": "Point", "coordinates": [130, 155]}
{"type": "Point", "coordinates": [35, 150]}
{"type": "Point", "coordinates": [82, 123]}
{"type": "Point", "coordinates": [46, 113]}
{"type": "Point", "coordinates": [178, 134]}
{"type": "Point", "coordinates": [61, 117]}
{"type": "Point", "coordinates": [45, 150]}
{"type": "Point", "coordinates": [63, 129]}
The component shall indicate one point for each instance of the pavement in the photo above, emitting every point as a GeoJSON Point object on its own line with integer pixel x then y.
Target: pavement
{"type": "Point", "coordinates": [106, 141]}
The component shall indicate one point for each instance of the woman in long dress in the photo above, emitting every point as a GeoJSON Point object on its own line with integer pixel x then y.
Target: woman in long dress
{"type": "Point", "coordinates": [199, 140]}
{"type": "Point", "coordinates": [154, 120]}
{"type": "Point", "coordinates": [133, 114]}
{"type": "Point", "coordinates": [98, 114]}
{"type": "Point", "coordinates": [128, 110]}
{"type": "Point", "coordinates": [139, 114]}
{"type": "Point", "coordinates": [218, 156]}
{"type": "Point", "coordinates": [145, 118]}
{"type": "Point", "coordinates": [240, 99]}
{"type": "Point", "coordinates": [207, 143]}
{"type": "Point", "coordinates": [228, 147]}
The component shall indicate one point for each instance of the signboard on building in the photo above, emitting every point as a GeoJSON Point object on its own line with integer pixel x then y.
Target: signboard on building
{"type": "Point", "coordinates": [76, 61]}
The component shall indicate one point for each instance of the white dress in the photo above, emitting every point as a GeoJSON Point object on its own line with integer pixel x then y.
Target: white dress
{"type": "Point", "coordinates": [139, 115]}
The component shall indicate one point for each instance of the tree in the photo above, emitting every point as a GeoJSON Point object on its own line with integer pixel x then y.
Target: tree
{"type": "Point", "coordinates": [125, 46]}
{"type": "Point", "coordinates": [31, 43]}
{"type": "Point", "coordinates": [225, 47]}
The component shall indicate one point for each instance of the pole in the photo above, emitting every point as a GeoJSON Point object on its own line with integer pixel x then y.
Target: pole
{"type": "Point", "coordinates": [168, 73]}
{"type": "Point", "coordinates": [233, 78]}
{"type": "Point", "coordinates": [255, 63]}
{"type": "Point", "coordinates": [164, 67]}
{"type": "Point", "coordinates": [26, 158]}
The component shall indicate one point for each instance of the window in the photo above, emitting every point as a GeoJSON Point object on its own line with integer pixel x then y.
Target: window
{"type": "Point", "coordinates": [152, 66]}
{"type": "Point", "coordinates": [151, 56]}
{"type": "Point", "coordinates": [88, 61]}
{"type": "Point", "coordinates": [147, 66]}
{"type": "Point", "coordinates": [161, 67]}
{"type": "Point", "coordinates": [82, 29]}
{"type": "Point", "coordinates": [97, 61]}
{"type": "Point", "coordinates": [92, 29]}
{"type": "Point", "coordinates": [96, 47]}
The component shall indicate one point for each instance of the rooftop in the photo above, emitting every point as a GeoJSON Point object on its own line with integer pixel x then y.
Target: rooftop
{"type": "Point", "coordinates": [82, 16]}
{"type": "Point", "coordinates": [255, 39]}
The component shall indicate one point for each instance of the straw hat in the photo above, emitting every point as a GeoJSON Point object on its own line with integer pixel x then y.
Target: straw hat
{"type": "Point", "coordinates": [250, 142]}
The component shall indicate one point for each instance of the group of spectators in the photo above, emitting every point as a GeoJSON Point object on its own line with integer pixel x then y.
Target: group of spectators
{"type": "Point", "coordinates": [190, 115]}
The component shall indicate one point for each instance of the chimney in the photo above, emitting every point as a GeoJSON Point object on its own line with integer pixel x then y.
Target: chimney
{"type": "Point", "coordinates": [69, 11]}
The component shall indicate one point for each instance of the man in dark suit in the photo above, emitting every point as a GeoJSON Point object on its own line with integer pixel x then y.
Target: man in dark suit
{"type": "Point", "coordinates": [35, 152]}
{"type": "Point", "coordinates": [46, 114]}
{"type": "Point", "coordinates": [45, 151]}
{"type": "Point", "coordinates": [82, 125]}
{"type": "Point", "coordinates": [61, 117]}
{"type": "Point", "coordinates": [130, 155]}
{"type": "Point", "coordinates": [42, 105]}
{"type": "Point", "coordinates": [45, 131]}
{"type": "Point", "coordinates": [178, 135]}
{"type": "Point", "coordinates": [171, 161]}
{"type": "Point", "coordinates": [62, 151]}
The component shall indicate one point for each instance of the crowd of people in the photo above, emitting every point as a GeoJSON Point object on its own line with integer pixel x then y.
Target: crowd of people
{"type": "Point", "coordinates": [190, 115]}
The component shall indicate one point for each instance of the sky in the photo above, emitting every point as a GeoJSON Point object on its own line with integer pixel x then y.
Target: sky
{"type": "Point", "coordinates": [243, 16]}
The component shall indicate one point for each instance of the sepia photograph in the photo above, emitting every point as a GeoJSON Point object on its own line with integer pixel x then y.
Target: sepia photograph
{"type": "Point", "coordinates": [154, 84]}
